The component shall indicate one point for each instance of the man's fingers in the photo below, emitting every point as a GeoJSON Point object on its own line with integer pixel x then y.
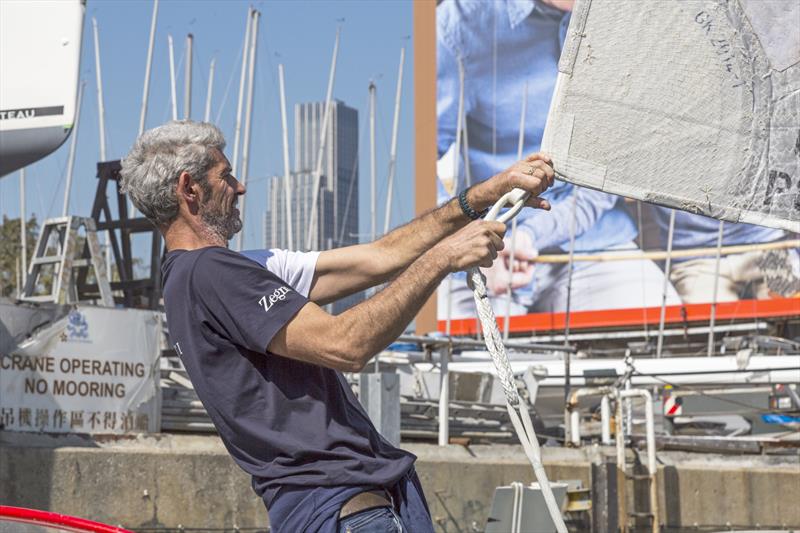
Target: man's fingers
{"type": "Point", "coordinates": [539, 156]}
{"type": "Point", "coordinates": [497, 243]}
{"type": "Point", "coordinates": [537, 203]}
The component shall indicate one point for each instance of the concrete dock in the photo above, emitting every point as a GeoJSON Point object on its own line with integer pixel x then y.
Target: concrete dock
{"type": "Point", "coordinates": [173, 481]}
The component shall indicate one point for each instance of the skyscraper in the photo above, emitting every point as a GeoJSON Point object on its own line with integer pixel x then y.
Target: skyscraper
{"type": "Point", "coordinates": [337, 207]}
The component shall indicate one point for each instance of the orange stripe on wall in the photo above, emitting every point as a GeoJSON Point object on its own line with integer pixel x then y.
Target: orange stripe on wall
{"type": "Point", "coordinates": [606, 318]}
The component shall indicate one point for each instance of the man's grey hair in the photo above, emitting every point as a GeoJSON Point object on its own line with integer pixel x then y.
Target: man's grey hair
{"type": "Point", "coordinates": [150, 170]}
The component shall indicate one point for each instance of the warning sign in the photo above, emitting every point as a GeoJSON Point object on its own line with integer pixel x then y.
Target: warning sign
{"type": "Point", "coordinates": [93, 371]}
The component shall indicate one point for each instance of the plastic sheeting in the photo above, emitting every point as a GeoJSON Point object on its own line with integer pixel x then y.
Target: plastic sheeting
{"type": "Point", "coordinates": [691, 104]}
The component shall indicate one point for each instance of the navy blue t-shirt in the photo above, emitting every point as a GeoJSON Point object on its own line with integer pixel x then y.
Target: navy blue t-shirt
{"type": "Point", "coordinates": [293, 426]}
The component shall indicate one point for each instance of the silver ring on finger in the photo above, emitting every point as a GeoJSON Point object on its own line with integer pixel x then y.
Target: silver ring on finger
{"type": "Point", "coordinates": [530, 171]}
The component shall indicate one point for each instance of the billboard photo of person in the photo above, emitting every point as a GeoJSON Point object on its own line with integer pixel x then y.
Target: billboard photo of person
{"type": "Point", "coordinates": [505, 49]}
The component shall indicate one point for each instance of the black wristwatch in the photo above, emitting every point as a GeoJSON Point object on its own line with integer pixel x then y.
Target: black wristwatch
{"type": "Point", "coordinates": [467, 209]}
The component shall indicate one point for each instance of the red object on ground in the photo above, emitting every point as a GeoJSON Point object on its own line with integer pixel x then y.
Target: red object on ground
{"type": "Point", "coordinates": [48, 519]}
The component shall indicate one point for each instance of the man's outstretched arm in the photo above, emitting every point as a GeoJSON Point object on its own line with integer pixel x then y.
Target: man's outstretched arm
{"type": "Point", "coordinates": [347, 270]}
{"type": "Point", "coordinates": [348, 341]}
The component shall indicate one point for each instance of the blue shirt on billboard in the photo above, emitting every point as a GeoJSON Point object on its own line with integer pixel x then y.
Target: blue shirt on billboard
{"type": "Point", "coordinates": [505, 45]}
{"type": "Point", "coordinates": [296, 428]}
{"type": "Point", "coordinates": [698, 231]}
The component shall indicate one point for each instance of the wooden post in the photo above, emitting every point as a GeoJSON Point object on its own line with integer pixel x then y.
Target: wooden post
{"type": "Point", "coordinates": [425, 127]}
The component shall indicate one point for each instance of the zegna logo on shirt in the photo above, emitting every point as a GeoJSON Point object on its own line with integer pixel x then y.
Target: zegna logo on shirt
{"type": "Point", "coordinates": [277, 295]}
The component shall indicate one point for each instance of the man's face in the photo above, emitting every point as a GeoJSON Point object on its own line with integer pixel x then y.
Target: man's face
{"type": "Point", "coordinates": [218, 209]}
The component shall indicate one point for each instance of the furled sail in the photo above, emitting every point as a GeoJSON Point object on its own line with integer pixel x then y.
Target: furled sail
{"type": "Point", "coordinates": [40, 48]}
{"type": "Point", "coordinates": [691, 104]}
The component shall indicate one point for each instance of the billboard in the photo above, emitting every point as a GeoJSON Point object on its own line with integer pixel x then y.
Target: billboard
{"type": "Point", "coordinates": [605, 259]}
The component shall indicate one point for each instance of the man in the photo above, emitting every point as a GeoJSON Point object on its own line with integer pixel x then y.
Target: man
{"type": "Point", "coordinates": [741, 276]}
{"type": "Point", "coordinates": [266, 360]}
{"type": "Point", "coordinates": [507, 47]}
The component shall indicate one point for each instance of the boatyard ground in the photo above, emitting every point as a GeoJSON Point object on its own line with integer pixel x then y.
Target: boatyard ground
{"type": "Point", "coordinates": [171, 481]}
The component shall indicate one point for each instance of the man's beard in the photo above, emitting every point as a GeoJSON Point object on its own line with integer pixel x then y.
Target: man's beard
{"type": "Point", "coordinates": [222, 225]}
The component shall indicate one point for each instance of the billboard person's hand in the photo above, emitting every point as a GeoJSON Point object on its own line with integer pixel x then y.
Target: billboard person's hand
{"type": "Point", "coordinates": [520, 273]}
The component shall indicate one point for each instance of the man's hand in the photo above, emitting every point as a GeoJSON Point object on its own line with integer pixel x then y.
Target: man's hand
{"type": "Point", "coordinates": [476, 244]}
{"type": "Point", "coordinates": [533, 174]}
{"type": "Point", "coordinates": [520, 273]}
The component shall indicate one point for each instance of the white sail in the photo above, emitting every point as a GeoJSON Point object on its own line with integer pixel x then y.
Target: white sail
{"type": "Point", "coordinates": [40, 49]}
{"type": "Point", "coordinates": [691, 104]}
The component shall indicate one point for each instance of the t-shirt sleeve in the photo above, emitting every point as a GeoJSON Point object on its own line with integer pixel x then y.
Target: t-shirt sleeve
{"type": "Point", "coordinates": [241, 300]}
{"type": "Point", "coordinates": [295, 268]}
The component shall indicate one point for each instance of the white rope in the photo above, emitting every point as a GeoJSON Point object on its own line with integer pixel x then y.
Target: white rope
{"type": "Point", "coordinates": [517, 409]}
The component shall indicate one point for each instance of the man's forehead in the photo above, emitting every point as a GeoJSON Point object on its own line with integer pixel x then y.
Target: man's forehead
{"type": "Point", "coordinates": [219, 158]}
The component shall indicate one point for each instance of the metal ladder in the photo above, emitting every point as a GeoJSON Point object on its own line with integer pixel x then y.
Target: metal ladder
{"type": "Point", "coordinates": [628, 478]}
{"type": "Point", "coordinates": [66, 262]}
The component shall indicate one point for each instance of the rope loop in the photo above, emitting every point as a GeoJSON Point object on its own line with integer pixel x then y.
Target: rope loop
{"type": "Point", "coordinates": [515, 198]}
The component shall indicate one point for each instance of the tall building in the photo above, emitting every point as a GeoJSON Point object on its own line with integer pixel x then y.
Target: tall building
{"type": "Point", "coordinates": [337, 206]}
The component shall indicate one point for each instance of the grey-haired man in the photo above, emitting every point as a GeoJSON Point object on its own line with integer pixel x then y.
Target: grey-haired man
{"type": "Point", "coordinates": [266, 360]}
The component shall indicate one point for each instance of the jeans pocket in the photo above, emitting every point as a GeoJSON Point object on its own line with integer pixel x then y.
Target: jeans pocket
{"type": "Point", "coordinates": [378, 520]}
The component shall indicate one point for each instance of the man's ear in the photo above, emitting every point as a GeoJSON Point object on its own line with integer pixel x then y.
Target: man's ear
{"type": "Point", "coordinates": [188, 190]}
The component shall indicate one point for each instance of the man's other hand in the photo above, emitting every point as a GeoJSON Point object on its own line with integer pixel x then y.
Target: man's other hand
{"type": "Point", "coordinates": [476, 244]}
{"type": "Point", "coordinates": [520, 273]}
{"type": "Point", "coordinates": [533, 174]}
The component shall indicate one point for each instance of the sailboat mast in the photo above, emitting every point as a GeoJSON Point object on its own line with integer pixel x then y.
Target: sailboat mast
{"type": "Point", "coordinates": [210, 90]}
{"type": "Point", "coordinates": [72, 147]}
{"type": "Point", "coordinates": [187, 79]}
{"type": "Point", "coordinates": [287, 189]}
{"type": "Point", "coordinates": [148, 68]}
{"type": "Point", "coordinates": [240, 101]}
{"type": "Point", "coordinates": [172, 88]}
{"type": "Point", "coordinates": [248, 119]}
{"type": "Point", "coordinates": [372, 165]}
{"type": "Point", "coordinates": [393, 149]}
{"type": "Point", "coordinates": [512, 248]}
{"type": "Point", "coordinates": [713, 319]}
{"type": "Point", "coordinates": [23, 233]}
{"type": "Point", "coordinates": [321, 149]}
{"type": "Point", "coordinates": [101, 110]}
{"type": "Point", "coordinates": [667, 265]}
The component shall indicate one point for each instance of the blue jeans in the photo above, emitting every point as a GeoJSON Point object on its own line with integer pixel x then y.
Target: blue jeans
{"type": "Point", "coordinates": [376, 520]}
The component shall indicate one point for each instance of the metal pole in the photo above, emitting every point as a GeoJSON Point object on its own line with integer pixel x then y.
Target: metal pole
{"type": "Point", "coordinates": [23, 227]}
{"type": "Point", "coordinates": [713, 318]}
{"type": "Point", "coordinates": [187, 79]}
{"type": "Point", "coordinates": [240, 101]}
{"type": "Point", "coordinates": [210, 90]}
{"type": "Point", "coordinates": [605, 420]}
{"type": "Point", "coordinates": [372, 172]}
{"type": "Point", "coordinates": [148, 68]}
{"type": "Point", "coordinates": [286, 173]}
{"type": "Point", "coordinates": [72, 147]}
{"type": "Point", "coordinates": [444, 396]}
{"type": "Point", "coordinates": [101, 110]}
{"type": "Point", "coordinates": [312, 226]}
{"type": "Point", "coordinates": [459, 124]}
{"type": "Point", "coordinates": [567, 357]}
{"type": "Point", "coordinates": [670, 235]}
{"type": "Point", "coordinates": [173, 95]}
{"type": "Point", "coordinates": [248, 119]}
{"type": "Point", "coordinates": [520, 144]}
{"type": "Point", "coordinates": [393, 149]}
{"type": "Point", "coordinates": [449, 306]}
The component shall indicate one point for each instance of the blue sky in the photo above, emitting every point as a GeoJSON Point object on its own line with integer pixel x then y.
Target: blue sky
{"type": "Point", "coordinates": [299, 34]}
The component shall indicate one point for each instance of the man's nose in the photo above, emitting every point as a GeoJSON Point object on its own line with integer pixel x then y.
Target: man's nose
{"type": "Point", "coordinates": [240, 188]}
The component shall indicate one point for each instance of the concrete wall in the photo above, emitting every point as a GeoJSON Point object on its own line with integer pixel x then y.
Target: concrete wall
{"type": "Point", "coordinates": [190, 481]}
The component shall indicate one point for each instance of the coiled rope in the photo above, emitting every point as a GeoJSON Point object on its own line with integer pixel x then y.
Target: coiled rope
{"type": "Point", "coordinates": [517, 409]}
